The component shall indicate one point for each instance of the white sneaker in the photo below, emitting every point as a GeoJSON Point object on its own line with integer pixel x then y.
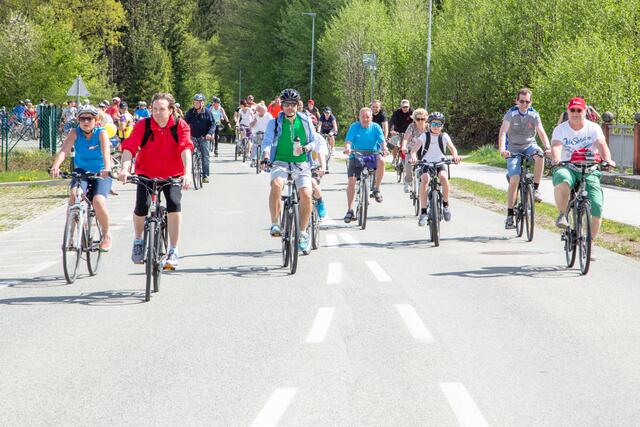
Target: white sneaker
{"type": "Point", "coordinates": [422, 220]}
{"type": "Point", "coordinates": [406, 188]}
{"type": "Point", "coordinates": [446, 212]}
{"type": "Point", "coordinates": [536, 196]}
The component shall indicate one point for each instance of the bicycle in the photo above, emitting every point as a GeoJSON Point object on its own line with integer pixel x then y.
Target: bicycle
{"type": "Point", "coordinates": [196, 166]}
{"type": "Point", "coordinates": [82, 232]}
{"type": "Point", "coordinates": [155, 230]}
{"type": "Point", "coordinates": [398, 160]}
{"type": "Point", "coordinates": [314, 223]}
{"type": "Point", "coordinates": [577, 235]}
{"type": "Point", "coordinates": [414, 192]}
{"type": "Point", "coordinates": [524, 208]}
{"type": "Point", "coordinates": [435, 207]}
{"type": "Point", "coordinates": [327, 137]}
{"type": "Point", "coordinates": [364, 183]}
{"type": "Point", "coordinates": [242, 143]}
{"type": "Point", "coordinates": [258, 145]}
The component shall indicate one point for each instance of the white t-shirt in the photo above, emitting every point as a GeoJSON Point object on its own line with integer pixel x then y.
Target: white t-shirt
{"type": "Point", "coordinates": [320, 145]}
{"type": "Point", "coordinates": [246, 116]}
{"type": "Point", "coordinates": [261, 124]}
{"type": "Point", "coordinates": [573, 140]}
{"type": "Point", "coordinates": [434, 154]}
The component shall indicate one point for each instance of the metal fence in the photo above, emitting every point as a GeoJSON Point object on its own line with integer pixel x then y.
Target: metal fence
{"type": "Point", "coordinates": [624, 143]}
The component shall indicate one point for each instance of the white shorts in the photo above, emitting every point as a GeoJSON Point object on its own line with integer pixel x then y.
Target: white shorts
{"type": "Point", "coordinates": [301, 173]}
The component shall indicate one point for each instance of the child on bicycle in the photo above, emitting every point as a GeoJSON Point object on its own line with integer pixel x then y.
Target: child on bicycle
{"type": "Point", "coordinates": [433, 151]}
{"type": "Point", "coordinates": [92, 154]}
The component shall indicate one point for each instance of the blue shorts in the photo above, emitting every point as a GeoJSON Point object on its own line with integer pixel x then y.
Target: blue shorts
{"type": "Point", "coordinates": [513, 164]}
{"type": "Point", "coordinates": [100, 186]}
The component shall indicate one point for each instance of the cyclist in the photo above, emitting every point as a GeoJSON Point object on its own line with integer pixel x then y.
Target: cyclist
{"type": "Point", "coordinates": [329, 125]}
{"type": "Point", "coordinates": [433, 151]}
{"type": "Point", "coordinates": [218, 114]}
{"type": "Point", "coordinates": [312, 111]}
{"type": "Point", "coordinates": [125, 122]}
{"type": "Point", "coordinates": [18, 110]}
{"type": "Point", "coordinates": [202, 125]}
{"type": "Point", "coordinates": [319, 155]}
{"type": "Point", "coordinates": [244, 119]}
{"type": "Point", "coordinates": [142, 112]}
{"type": "Point", "coordinates": [92, 150]}
{"type": "Point", "coordinates": [287, 142]}
{"type": "Point", "coordinates": [69, 114]}
{"type": "Point", "coordinates": [251, 103]}
{"type": "Point", "coordinates": [578, 133]}
{"type": "Point", "coordinates": [363, 135]}
{"type": "Point", "coordinates": [275, 107]}
{"type": "Point", "coordinates": [259, 124]}
{"type": "Point", "coordinates": [114, 110]}
{"type": "Point", "coordinates": [520, 125]}
{"type": "Point", "coordinates": [380, 117]}
{"type": "Point", "coordinates": [410, 140]}
{"type": "Point", "coordinates": [159, 155]}
{"type": "Point", "coordinates": [399, 122]}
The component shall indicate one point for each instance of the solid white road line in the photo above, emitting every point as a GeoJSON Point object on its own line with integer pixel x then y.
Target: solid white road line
{"type": "Point", "coordinates": [320, 325]}
{"type": "Point", "coordinates": [463, 406]}
{"type": "Point", "coordinates": [415, 325]}
{"type": "Point", "coordinates": [332, 240]}
{"type": "Point", "coordinates": [334, 275]}
{"type": "Point", "coordinates": [275, 407]}
{"type": "Point", "coordinates": [349, 239]}
{"type": "Point", "coordinates": [378, 271]}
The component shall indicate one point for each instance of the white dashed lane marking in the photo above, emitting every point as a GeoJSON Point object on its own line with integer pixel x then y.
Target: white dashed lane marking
{"type": "Point", "coordinates": [321, 325]}
{"type": "Point", "coordinates": [412, 320]}
{"type": "Point", "coordinates": [463, 406]}
{"type": "Point", "coordinates": [378, 271]}
{"type": "Point", "coordinates": [275, 408]}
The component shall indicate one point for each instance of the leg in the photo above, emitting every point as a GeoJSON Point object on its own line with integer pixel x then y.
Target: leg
{"type": "Point", "coordinates": [561, 193]}
{"type": "Point", "coordinates": [538, 169]}
{"type": "Point", "coordinates": [424, 185]}
{"type": "Point", "coordinates": [305, 207]}
{"type": "Point", "coordinates": [408, 171]}
{"type": "Point", "coordinates": [351, 191]}
{"type": "Point", "coordinates": [379, 172]}
{"type": "Point", "coordinates": [445, 186]}
{"type": "Point", "coordinates": [596, 222]}
{"type": "Point", "coordinates": [204, 152]}
{"type": "Point", "coordinates": [514, 180]}
{"type": "Point", "coordinates": [317, 193]}
{"type": "Point", "coordinates": [277, 185]}
{"type": "Point", "coordinates": [102, 214]}
{"type": "Point", "coordinates": [138, 226]}
{"type": "Point", "coordinates": [174, 220]}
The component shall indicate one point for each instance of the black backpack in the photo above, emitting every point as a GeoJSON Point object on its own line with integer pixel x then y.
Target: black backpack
{"type": "Point", "coordinates": [148, 133]}
{"type": "Point", "coordinates": [424, 150]}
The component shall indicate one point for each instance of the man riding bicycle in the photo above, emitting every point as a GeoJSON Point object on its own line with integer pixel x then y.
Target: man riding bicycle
{"type": "Point", "coordinates": [578, 133]}
{"type": "Point", "coordinates": [244, 118]}
{"type": "Point", "coordinates": [366, 136]}
{"type": "Point", "coordinates": [521, 124]}
{"type": "Point", "coordinates": [259, 125]}
{"type": "Point", "coordinates": [92, 154]}
{"type": "Point", "coordinates": [218, 114]}
{"type": "Point", "coordinates": [202, 126]}
{"type": "Point", "coordinates": [287, 143]}
{"type": "Point", "coordinates": [328, 125]}
{"type": "Point", "coordinates": [163, 146]}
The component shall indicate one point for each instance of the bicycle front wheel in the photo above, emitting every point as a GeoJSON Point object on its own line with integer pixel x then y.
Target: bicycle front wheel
{"type": "Point", "coordinates": [196, 170]}
{"type": "Point", "coordinates": [529, 207]}
{"type": "Point", "coordinates": [315, 227]}
{"type": "Point", "coordinates": [569, 236]}
{"type": "Point", "coordinates": [434, 218]}
{"type": "Point", "coordinates": [285, 229]}
{"type": "Point", "coordinates": [584, 237]}
{"type": "Point", "coordinates": [258, 156]}
{"type": "Point", "coordinates": [518, 209]}
{"type": "Point", "coordinates": [294, 239]}
{"type": "Point", "coordinates": [149, 245]}
{"type": "Point", "coordinates": [71, 247]}
{"type": "Point", "coordinates": [92, 247]}
{"type": "Point", "coordinates": [159, 250]}
{"type": "Point", "coordinates": [364, 204]}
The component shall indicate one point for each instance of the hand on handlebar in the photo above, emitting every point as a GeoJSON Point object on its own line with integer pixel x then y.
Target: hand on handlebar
{"type": "Point", "coordinates": [55, 172]}
{"type": "Point", "coordinates": [347, 150]}
{"type": "Point", "coordinates": [505, 153]}
{"type": "Point", "coordinates": [187, 181]}
{"type": "Point", "coordinates": [456, 159]}
{"type": "Point", "coordinates": [123, 175]}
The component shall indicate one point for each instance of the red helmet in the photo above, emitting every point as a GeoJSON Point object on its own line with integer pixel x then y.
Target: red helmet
{"type": "Point", "coordinates": [585, 155]}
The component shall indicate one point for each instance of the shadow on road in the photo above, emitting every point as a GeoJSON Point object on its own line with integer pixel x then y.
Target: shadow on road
{"type": "Point", "coordinates": [478, 239]}
{"type": "Point", "coordinates": [538, 271]}
{"type": "Point", "coordinates": [35, 282]}
{"type": "Point", "coordinates": [103, 298]}
{"type": "Point", "coordinates": [243, 271]}
{"type": "Point", "coordinates": [256, 254]}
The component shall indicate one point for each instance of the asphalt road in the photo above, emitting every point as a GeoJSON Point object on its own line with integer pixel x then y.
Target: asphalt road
{"type": "Point", "coordinates": [377, 328]}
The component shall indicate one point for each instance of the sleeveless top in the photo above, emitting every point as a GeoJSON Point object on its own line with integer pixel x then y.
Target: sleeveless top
{"type": "Point", "coordinates": [88, 155]}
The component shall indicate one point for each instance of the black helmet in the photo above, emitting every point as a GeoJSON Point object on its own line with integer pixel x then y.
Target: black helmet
{"type": "Point", "coordinates": [436, 115]}
{"type": "Point", "coordinates": [124, 105]}
{"type": "Point", "coordinates": [327, 109]}
{"type": "Point", "coordinates": [198, 97]}
{"type": "Point", "coordinates": [290, 95]}
{"type": "Point", "coordinates": [215, 99]}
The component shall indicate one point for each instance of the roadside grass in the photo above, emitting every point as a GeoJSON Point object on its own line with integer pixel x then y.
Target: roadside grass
{"type": "Point", "coordinates": [28, 165]}
{"type": "Point", "coordinates": [21, 203]}
{"type": "Point", "coordinates": [615, 236]}
{"type": "Point", "coordinates": [24, 175]}
{"type": "Point", "coordinates": [486, 155]}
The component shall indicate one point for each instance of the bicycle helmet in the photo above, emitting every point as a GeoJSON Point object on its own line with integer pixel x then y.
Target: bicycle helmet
{"type": "Point", "coordinates": [142, 104]}
{"type": "Point", "coordinates": [327, 109]}
{"type": "Point", "coordinates": [103, 104]}
{"type": "Point", "coordinates": [215, 99]}
{"type": "Point", "coordinates": [124, 105]}
{"type": "Point", "coordinates": [177, 105]}
{"type": "Point", "coordinates": [27, 101]}
{"type": "Point", "coordinates": [290, 95]}
{"type": "Point", "coordinates": [198, 97]}
{"type": "Point", "coordinates": [88, 109]}
{"type": "Point", "coordinates": [436, 115]}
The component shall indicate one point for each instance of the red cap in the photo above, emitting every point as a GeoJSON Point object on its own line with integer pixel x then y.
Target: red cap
{"type": "Point", "coordinates": [577, 102]}
{"type": "Point", "coordinates": [311, 101]}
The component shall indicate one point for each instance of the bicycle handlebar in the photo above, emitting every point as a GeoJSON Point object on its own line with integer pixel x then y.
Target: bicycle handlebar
{"type": "Point", "coordinates": [150, 182]}
{"type": "Point", "coordinates": [585, 163]}
{"type": "Point", "coordinates": [525, 156]}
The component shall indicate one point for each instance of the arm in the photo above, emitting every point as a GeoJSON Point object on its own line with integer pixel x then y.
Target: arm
{"type": "Point", "coordinates": [187, 179]}
{"type": "Point", "coordinates": [603, 149]}
{"type": "Point", "coordinates": [267, 141]}
{"type": "Point", "coordinates": [105, 147]}
{"type": "Point", "coordinates": [454, 152]}
{"type": "Point", "coordinates": [212, 126]}
{"type": "Point", "coordinates": [385, 129]}
{"type": "Point", "coordinates": [556, 151]}
{"type": "Point", "coordinates": [544, 138]}
{"type": "Point", "coordinates": [502, 140]}
{"type": "Point", "coordinates": [62, 154]}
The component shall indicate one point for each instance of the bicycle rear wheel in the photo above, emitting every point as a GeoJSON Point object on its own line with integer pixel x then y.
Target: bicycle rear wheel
{"type": "Point", "coordinates": [149, 245]}
{"type": "Point", "coordinates": [285, 229]}
{"type": "Point", "coordinates": [569, 237]}
{"type": "Point", "coordinates": [364, 204]}
{"type": "Point", "coordinates": [315, 227]}
{"type": "Point", "coordinates": [584, 237]}
{"type": "Point", "coordinates": [244, 151]}
{"type": "Point", "coordinates": [294, 239]}
{"type": "Point", "coordinates": [529, 207]}
{"type": "Point", "coordinates": [434, 217]}
{"type": "Point", "coordinates": [92, 248]}
{"type": "Point", "coordinates": [71, 247]}
{"type": "Point", "coordinates": [258, 155]}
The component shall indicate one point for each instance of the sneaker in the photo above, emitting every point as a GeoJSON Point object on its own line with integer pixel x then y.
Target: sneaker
{"type": "Point", "coordinates": [349, 216]}
{"type": "Point", "coordinates": [377, 195]}
{"type": "Point", "coordinates": [593, 253]}
{"type": "Point", "coordinates": [562, 222]}
{"type": "Point", "coordinates": [205, 180]}
{"type": "Point", "coordinates": [304, 243]}
{"type": "Point", "coordinates": [333, 151]}
{"type": "Point", "coordinates": [509, 223]}
{"type": "Point", "coordinates": [215, 153]}
{"type": "Point", "coordinates": [137, 253]}
{"type": "Point", "coordinates": [446, 212]}
{"type": "Point", "coordinates": [105, 243]}
{"type": "Point", "coordinates": [171, 262]}
{"type": "Point", "coordinates": [536, 196]}
{"type": "Point", "coordinates": [406, 188]}
{"type": "Point", "coordinates": [322, 210]}
{"type": "Point", "coordinates": [275, 231]}
{"type": "Point", "coordinates": [422, 220]}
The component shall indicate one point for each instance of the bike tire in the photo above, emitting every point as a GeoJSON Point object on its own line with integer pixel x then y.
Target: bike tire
{"type": "Point", "coordinates": [294, 240]}
{"type": "Point", "coordinates": [570, 247]}
{"type": "Point", "coordinates": [258, 155]}
{"type": "Point", "coordinates": [315, 228]}
{"type": "Point", "coordinates": [584, 237]}
{"type": "Point", "coordinates": [94, 237]}
{"type": "Point", "coordinates": [286, 232]}
{"type": "Point", "coordinates": [244, 151]}
{"type": "Point", "coordinates": [149, 245]}
{"type": "Point", "coordinates": [71, 258]}
{"type": "Point", "coordinates": [364, 198]}
{"type": "Point", "coordinates": [157, 259]}
{"type": "Point", "coordinates": [529, 212]}
{"type": "Point", "coordinates": [196, 170]}
{"type": "Point", "coordinates": [518, 209]}
{"type": "Point", "coordinates": [434, 220]}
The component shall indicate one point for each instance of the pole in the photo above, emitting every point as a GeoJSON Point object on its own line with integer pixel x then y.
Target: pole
{"type": "Point", "coordinates": [240, 87]}
{"type": "Point", "coordinates": [373, 83]}
{"type": "Point", "coordinates": [313, 38]}
{"type": "Point", "coordinates": [426, 91]}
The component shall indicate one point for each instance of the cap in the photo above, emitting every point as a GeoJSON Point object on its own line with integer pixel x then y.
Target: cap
{"type": "Point", "coordinates": [311, 101]}
{"type": "Point", "coordinates": [115, 98]}
{"type": "Point", "coordinates": [404, 102]}
{"type": "Point", "coordinates": [577, 102]}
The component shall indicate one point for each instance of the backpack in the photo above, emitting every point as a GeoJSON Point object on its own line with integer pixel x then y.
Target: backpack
{"type": "Point", "coordinates": [425, 149]}
{"type": "Point", "coordinates": [148, 133]}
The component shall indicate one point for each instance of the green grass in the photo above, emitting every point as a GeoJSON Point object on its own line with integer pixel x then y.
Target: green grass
{"type": "Point", "coordinates": [24, 175]}
{"type": "Point", "coordinates": [615, 236]}
{"type": "Point", "coordinates": [486, 155]}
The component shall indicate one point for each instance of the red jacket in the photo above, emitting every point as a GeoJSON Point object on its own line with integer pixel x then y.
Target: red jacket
{"type": "Point", "coordinates": [161, 155]}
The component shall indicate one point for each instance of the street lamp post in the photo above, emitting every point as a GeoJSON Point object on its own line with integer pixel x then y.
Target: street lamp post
{"type": "Point", "coordinates": [369, 60]}
{"type": "Point", "coordinates": [240, 87]}
{"type": "Point", "coordinates": [313, 39]}
{"type": "Point", "coordinates": [426, 91]}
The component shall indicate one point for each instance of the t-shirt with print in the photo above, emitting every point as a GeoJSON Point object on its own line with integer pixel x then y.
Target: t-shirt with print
{"type": "Point", "coordinates": [522, 128]}
{"type": "Point", "coordinates": [246, 116]}
{"type": "Point", "coordinates": [326, 125]}
{"type": "Point", "coordinates": [573, 140]}
{"type": "Point", "coordinates": [434, 154]}
{"type": "Point", "coordinates": [261, 122]}
{"type": "Point", "coordinates": [369, 138]}
{"type": "Point", "coordinates": [284, 151]}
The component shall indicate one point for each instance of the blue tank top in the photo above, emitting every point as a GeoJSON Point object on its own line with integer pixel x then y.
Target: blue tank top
{"type": "Point", "coordinates": [88, 155]}
{"type": "Point", "coordinates": [217, 114]}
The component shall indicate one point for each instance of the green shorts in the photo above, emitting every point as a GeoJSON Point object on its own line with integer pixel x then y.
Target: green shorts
{"type": "Point", "coordinates": [594, 190]}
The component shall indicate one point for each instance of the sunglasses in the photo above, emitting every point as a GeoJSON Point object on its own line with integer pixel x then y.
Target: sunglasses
{"type": "Point", "coordinates": [524, 101]}
{"type": "Point", "coordinates": [420, 119]}
{"type": "Point", "coordinates": [404, 106]}
{"type": "Point", "coordinates": [86, 119]}
{"type": "Point", "coordinates": [436, 124]}
{"type": "Point", "coordinates": [576, 110]}
{"type": "Point", "coordinates": [289, 104]}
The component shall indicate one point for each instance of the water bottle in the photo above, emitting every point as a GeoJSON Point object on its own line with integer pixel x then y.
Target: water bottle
{"type": "Point", "coordinates": [297, 148]}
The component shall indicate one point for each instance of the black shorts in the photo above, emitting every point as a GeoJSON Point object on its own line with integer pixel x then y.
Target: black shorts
{"type": "Point", "coordinates": [439, 168]}
{"type": "Point", "coordinates": [172, 194]}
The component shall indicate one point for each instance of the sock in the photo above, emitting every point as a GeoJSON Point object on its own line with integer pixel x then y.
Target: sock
{"type": "Point", "coordinates": [423, 211]}
{"type": "Point", "coordinates": [445, 204]}
{"type": "Point", "coordinates": [319, 200]}
{"type": "Point", "coordinates": [536, 185]}
{"type": "Point", "coordinates": [510, 212]}
{"type": "Point", "coordinates": [173, 248]}
{"type": "Point", "coordinates": [137, 241]}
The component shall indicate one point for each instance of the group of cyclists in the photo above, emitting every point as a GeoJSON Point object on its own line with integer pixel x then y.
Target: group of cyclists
{"type": "Point", "coordinates": [296, 142]}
